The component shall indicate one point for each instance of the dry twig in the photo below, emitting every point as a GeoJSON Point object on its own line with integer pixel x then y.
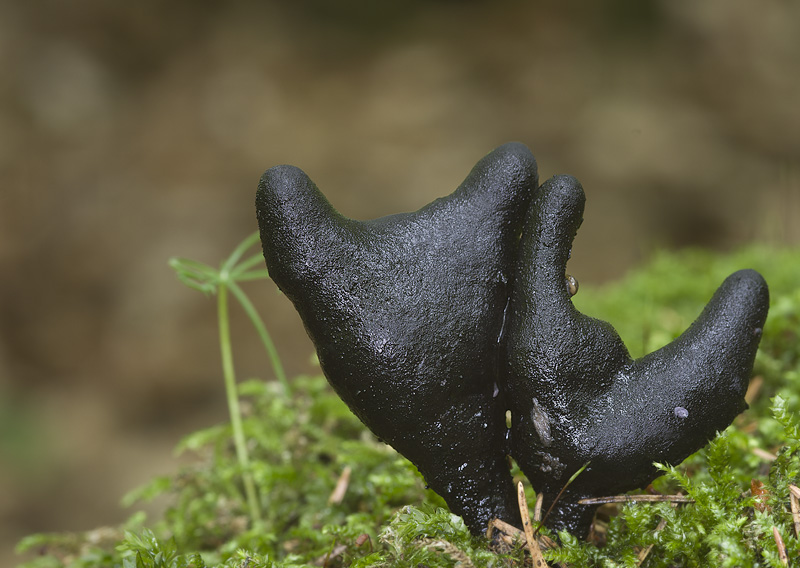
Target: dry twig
{"type": "Point", "coordinates": [764, 454]}
{"type": "Point", "coordinates": [537, 508]}
{"type": "Point", "coordinates": [337, 495]}
{"type": "Point", "coordinates": [637, 499]}
{"type": "Point", "coordinates": [509, 531]}
{"type": "Point", "coordinates": [794, 501]}
{"type": "Point", "coordinates": [753, 389]}
{"type": "Point", "coordinates": [781, 547]}
{"type": "Point", "coordinates": [325, 558]}
{"type": "Point", "coordinates": [533, 546]}
{"type": "Point", "coordinates": [510, 534]}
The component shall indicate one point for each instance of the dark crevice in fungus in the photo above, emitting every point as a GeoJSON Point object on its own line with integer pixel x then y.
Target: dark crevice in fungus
{"type": "Point", "coordinates": [432, 325]}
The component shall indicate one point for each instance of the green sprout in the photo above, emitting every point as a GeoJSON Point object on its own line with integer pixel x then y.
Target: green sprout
{"type": "Point", "coordinates": [210, 280]}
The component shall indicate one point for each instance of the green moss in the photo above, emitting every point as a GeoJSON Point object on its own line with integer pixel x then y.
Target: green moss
{"type": "Point", "coordinates": [300, 438]}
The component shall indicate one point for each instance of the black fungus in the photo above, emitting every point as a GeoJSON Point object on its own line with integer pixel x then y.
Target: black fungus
{"type": "Point", "coordinates": [603, 408]}
{"type": "Point", "coordinates": [432, 325]}
{"type": "Point", "coordinates": [405, 312]}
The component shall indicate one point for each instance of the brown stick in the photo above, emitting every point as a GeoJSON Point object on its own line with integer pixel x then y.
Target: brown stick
{"type": "Point", "coordinates": [537, 508]}
{"type": "Point", "coordinates": [637, 499]}
{"type": "Point", "coordinates": [794, 501]}
{"type": "Point", "coordinates": [325, 558]}
{"type": "Point", "coordinates": [504, 527]}
{"type": "Point", "coordinates": [764, 454]}
{"type": "Point", "coordinates": [510, 533]}
{"type": "Point", "coordinates": [533, 546]}
{"type": "Point", "coordinates": [781, 547]}
{"type": "Point", "coordinates": [341, 487]}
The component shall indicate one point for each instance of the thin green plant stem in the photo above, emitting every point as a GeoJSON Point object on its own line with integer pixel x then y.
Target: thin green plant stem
{"type": "Point", "coordinates": [208, 280]}
{"type": "Point", "coordinates": [253, 275]}
{"type": "Point", "coordinates": [230, 262]}
{"type": "Point", "coordinates": [233, 401]}
{"type": "Point", "coordinates": [255, 260]}
{"type": "Point", "coordinates": [266, 339]}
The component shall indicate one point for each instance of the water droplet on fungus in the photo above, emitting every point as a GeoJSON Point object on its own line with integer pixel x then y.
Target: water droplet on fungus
{"type": "Point", "coordinates": [572, 284]}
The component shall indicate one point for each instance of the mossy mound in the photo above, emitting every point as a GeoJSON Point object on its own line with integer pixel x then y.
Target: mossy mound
{"type": "Point", "coordinates": [306, 442]}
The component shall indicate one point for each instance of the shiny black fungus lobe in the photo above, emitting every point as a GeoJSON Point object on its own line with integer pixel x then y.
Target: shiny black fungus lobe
{"type": "Point", "coordinates": [602, 407]}
{"type": "Point", "coordinates": [405, 312]}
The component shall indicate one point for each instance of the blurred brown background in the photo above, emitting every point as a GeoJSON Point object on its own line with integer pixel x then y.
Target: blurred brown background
{"type": "Point", "coordinates": [132, 132]}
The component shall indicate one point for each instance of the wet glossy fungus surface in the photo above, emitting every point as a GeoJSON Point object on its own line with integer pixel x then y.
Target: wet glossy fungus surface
{"type": "Point", "coordinates": [578, 396]}
{"type": "Point", "coordinates": [405, 312]}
